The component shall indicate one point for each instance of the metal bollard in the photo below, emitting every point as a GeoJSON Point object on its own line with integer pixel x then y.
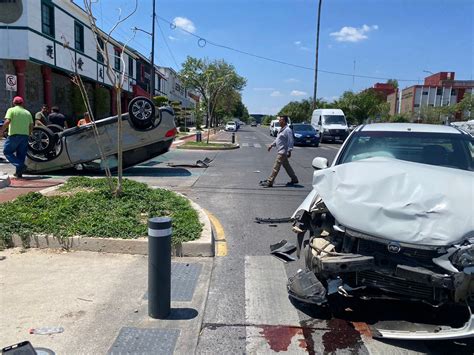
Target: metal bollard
{"type": "Point", "coordinates": [159, 267]}
{"type": "Point", "coordinates": [233, 137]}
{"type": "Point", "coordinates": [198, 136]}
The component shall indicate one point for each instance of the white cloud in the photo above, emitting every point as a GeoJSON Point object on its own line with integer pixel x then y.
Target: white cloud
{"type": "Point", "coordinates": [297, 43]}
{"type": "Point", "coordinates": [353, 34]}
{"type": "Point", "coordinates": [263, 89]}
{"type": "Point", "coordinates": [292, 80]}
{"type": "Point", "coordinates": [172, 38]}
{"type": "Point", "coordinates": [185, 24]}
{"type": "Point", "coordinates": [330, 98]}
{"type": "Point", "coordinates": [275, 94]}
{"type": "Point", "coordinates": [298, 93]}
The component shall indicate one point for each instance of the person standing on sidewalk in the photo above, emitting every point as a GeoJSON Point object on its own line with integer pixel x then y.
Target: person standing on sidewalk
{"type": "Point", "coordinates": [284, 144]}
{"type": "Point", "coordinates": [20, 124]}
{"type": "Point", "coordinates": [41, 117]}
{"type": "Point", "coordinates": [57, 118]}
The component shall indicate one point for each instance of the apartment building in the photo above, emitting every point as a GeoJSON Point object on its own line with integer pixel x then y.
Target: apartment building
{"type": "Point", "coordinates": [45, 41]}
{"type": "Point", "coordinates": [440, 89]}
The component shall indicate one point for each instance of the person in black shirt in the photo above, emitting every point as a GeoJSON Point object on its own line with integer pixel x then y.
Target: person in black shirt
{"type": "Point", "coordinates": [56, 117]}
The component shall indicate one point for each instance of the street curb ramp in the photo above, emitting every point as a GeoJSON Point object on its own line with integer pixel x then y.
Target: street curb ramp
{"type": "Point", "coordinates": [202, 247]}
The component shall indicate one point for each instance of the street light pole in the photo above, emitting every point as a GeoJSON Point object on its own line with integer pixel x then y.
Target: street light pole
{"type": "Point", "coordinates": [152, 83]}
{"type": "Point", "coordinates": [317, 54]}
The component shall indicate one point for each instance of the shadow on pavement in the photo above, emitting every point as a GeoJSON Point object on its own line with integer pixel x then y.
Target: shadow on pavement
{"type": "Point", "coordinates": [182, 314]}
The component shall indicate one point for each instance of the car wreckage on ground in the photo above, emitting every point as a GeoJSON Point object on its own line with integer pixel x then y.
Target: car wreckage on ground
{"type": "Point", "coordinates": [392, 223]}
{"type": "Point", "coordinates": [148, 131]}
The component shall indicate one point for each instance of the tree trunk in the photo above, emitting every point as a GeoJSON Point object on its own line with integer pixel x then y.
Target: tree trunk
{"type": "Point", "coordinates": [118, 191]}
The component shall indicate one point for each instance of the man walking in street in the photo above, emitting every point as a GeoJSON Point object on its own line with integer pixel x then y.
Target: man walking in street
{"type": "Point", "coordinates": [284, 144]}
{"type": "Point", "coordinates": [20, 124]}
{"type": "Point", "coordinates": [41, 117]}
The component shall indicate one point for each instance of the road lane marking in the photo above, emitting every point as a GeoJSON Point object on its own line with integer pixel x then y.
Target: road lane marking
{"type": "Point", "coordinates": [244, 144]}
{"type": "Point", "coordinates": [219, 238]}
{"type": "Point", "coordinates": [268, 311]}
{"type": "Point", "coordinates": [256, 145]}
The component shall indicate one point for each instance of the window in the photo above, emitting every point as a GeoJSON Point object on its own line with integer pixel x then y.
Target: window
{"type": "Point", "coordinates": [100, 57]}
{"type": "Point", "coordinates": [416, 105]}
{"type": "Point", "coordinates": [439, 91]}
{"type": "Point", "coordinates": [178, 88]}
{"type": "Point", "coordinates": [117, 59]}
{"type": "Point", "coordinates": [453, 92]}
{"type": "Point", "coordinates": [130, 66]}
{"type": "Point", "coordinates": [425, 92]}
{"type": "Point", "coordinates": [47, 18]}
{"type": "Point", "coordinates": [79, 36]}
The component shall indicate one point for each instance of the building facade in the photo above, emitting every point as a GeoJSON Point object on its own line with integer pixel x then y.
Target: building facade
{"type": "Point", "coordinates": [45, 41]}
{"type": "Point", "coordinates": [439, 89]}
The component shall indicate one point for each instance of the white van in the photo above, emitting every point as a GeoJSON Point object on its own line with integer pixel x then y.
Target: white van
{"type": "Point", "coordinates": [331, 124]}
{"type": "Point", "coordinates": [275, 127]}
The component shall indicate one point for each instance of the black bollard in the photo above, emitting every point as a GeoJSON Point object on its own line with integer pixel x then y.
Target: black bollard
{"type": "Point", "coordinates": [159, 267]}
{"type": "Point", "coordinates": [233, 137]}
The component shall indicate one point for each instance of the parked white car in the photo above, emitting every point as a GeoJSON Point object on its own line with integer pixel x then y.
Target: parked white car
{"type": "Point", "coordinates": [392, 218]}
{"type": "Point", "coordinates": [231, 126]}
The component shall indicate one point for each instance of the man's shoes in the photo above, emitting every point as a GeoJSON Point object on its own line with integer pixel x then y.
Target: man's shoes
{"type": "Point", "coordinates": [18, 175]}
{"type": "Point", "coordinates": [266, 184]}
{"type": "Point", "coordinates": [292, 182]}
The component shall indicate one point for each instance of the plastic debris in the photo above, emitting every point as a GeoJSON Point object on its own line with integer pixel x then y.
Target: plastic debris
{"type": "Point", "coordinates": [46, 330]}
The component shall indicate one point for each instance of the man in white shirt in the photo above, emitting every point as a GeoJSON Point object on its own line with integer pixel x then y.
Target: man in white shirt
{"type": "Point", "coordinates": [284, 144]}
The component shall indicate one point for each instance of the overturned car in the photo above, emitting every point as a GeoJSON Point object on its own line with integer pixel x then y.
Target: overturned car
{"type": "Point", "coordinates": [148, 131]}
{"type": "Point", "coordinates": [389, 221]}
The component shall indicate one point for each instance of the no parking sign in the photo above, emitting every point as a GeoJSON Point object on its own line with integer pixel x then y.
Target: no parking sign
{"type": "Point", "coordinates": [10, 81]}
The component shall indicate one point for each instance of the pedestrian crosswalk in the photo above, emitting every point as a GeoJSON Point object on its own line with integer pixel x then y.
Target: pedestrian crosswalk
{"type": "Point", "coordinates": [260, 146]}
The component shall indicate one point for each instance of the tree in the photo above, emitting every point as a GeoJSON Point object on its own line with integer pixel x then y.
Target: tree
{"type": "Point", "coordinates": [160, 101]}
{"type": "Point", "coordinates": [466, 106]}
{"type": "Point", "coordinates": [210, 79]}
{"type": "Point", "coordinates": [267, 119]}
{"type": "Point", "coordinates": [116, 78]}
{"type": "Point", "coordinates": [367, 104]}
{"type": "Point", "coordinates": [393, 82]}
{"type": "Point", "coordinates": [301, 111]}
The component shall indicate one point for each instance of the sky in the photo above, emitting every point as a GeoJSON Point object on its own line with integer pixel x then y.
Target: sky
{"type": "Point", "coordinates": [399, 39]}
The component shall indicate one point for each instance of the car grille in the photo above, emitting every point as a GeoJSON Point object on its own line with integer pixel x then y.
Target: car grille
{"type": "Point", "coordinates": [395, 285]}
{"type": "Point", "coordinates": [336, 131]}
{"type": "Point", "coordinates": [407, 256]}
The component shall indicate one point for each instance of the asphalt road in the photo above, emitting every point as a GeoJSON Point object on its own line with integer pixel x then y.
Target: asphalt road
{"type": "Point", "coordinates": [248, 310]}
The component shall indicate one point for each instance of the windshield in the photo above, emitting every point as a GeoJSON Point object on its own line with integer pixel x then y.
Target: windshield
{"type": "Point", "coordinates": [303, 128]}
{"type": "Point", "coordinates": [449, 150]}
{"type": "Point", "coordinates": [334, 120]}
{"type": "Point", "coordinates": [231, 123]}
{"type": "Point", "coordinates": [277, 124]}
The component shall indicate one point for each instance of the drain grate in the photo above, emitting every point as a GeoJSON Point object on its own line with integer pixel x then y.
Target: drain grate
{"type": "Point", "coordinates": [144, 341]}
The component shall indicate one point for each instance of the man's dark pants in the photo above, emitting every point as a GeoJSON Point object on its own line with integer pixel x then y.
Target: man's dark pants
{"type": "Point", "coordinates": [15, 149]}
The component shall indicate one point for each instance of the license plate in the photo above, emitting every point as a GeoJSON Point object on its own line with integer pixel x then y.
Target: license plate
{"type": "Point", "coordinates": [308, 141]}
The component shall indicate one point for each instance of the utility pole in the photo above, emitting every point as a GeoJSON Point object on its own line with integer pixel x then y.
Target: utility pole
{"type": "Point", "coordinates": [152, 82]}
{"type": "Point", "coordinates": [317, 54]}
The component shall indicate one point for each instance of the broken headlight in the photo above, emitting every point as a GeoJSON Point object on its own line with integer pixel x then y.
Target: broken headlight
{"type": "Point", "coordinates": [464, 257]}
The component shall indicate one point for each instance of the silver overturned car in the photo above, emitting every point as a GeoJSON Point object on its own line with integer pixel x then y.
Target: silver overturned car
{"type": "Point", "coordinates": [392, 218]}
{"type": "Point", "coordinates": [148, 131]}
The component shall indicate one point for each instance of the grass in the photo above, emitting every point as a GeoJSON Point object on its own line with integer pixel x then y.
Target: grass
{"type": "Point", "coordinates": [85, 207]}
{"type": "Point", "coordinates": [204, 145]}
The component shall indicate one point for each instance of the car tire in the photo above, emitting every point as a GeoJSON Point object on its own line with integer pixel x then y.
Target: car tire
{"type": "Point", "coordinates": [141, 113]}
{"type": "Point", "coordinates": [41, 140]}
{"type": "Point", "coordinates": [55, 128]}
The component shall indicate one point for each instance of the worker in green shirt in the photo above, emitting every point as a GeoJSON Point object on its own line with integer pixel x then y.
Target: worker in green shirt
{"type": "Point", "coordinates": [20, 124]}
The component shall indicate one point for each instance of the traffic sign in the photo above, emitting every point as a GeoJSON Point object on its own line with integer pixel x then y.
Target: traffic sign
{"type": "Point", "coordinates": [10, 81]}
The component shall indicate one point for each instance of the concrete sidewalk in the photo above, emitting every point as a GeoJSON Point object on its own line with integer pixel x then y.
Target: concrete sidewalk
{"type": "Point", "coordinates": [100, 300]}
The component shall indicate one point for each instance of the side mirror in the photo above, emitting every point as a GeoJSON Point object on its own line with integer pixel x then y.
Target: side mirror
{"type": "Point", "coordinates": [320, 163]}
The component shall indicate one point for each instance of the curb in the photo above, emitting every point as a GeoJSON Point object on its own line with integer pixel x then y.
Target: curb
{"type": "Point", "coordinates": [4, 180]}
{"type": "Point", "coordinates": [202, 247]}
{"type": "Point", "coordinates": [230, 147]}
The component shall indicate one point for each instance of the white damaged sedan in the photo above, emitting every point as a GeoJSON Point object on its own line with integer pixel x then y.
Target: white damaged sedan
{"type": "Point", "coordinates": [392, 218]}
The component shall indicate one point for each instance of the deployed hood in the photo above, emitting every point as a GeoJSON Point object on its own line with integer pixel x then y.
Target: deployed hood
{"type": "Point", "coordinates": [398, 200]}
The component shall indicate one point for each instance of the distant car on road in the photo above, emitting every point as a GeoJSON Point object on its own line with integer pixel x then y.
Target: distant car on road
{"type": "Point", "coordinates": [231, 126]}
{"type": "Point", "coordinates": [305, 134]}
{"type": "Point", "coordinates": [253, 124]}
{"type": "Point", "coordinates": [147, 132]}
{"type": "Point", "coordinates": [391, 218]}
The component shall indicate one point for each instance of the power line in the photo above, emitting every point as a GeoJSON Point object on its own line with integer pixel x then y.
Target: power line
{"type": "Point", "coordinates": [202, 42]}
{"type": "Point", "coordinates": [167, 46]}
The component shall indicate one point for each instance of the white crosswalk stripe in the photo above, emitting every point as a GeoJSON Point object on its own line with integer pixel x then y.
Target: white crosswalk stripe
{"type": "Point", "coordinates": [267, 305]}
{"type": "Point", "coordinates": [256, 145]}
{"type": "Point", "coordinates": [245, 144]}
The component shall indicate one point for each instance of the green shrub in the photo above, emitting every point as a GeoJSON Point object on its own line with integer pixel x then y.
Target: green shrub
{"type": "Point", "coordinates": [86, 207]}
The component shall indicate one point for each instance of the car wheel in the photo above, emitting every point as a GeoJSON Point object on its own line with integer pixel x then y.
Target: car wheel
{"type": "Point", "coordinates": [41, 140]}
{"type": "Point", "coordinates": [141, 112]}
{"type": "Point", "coordinates": [55, 128]}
